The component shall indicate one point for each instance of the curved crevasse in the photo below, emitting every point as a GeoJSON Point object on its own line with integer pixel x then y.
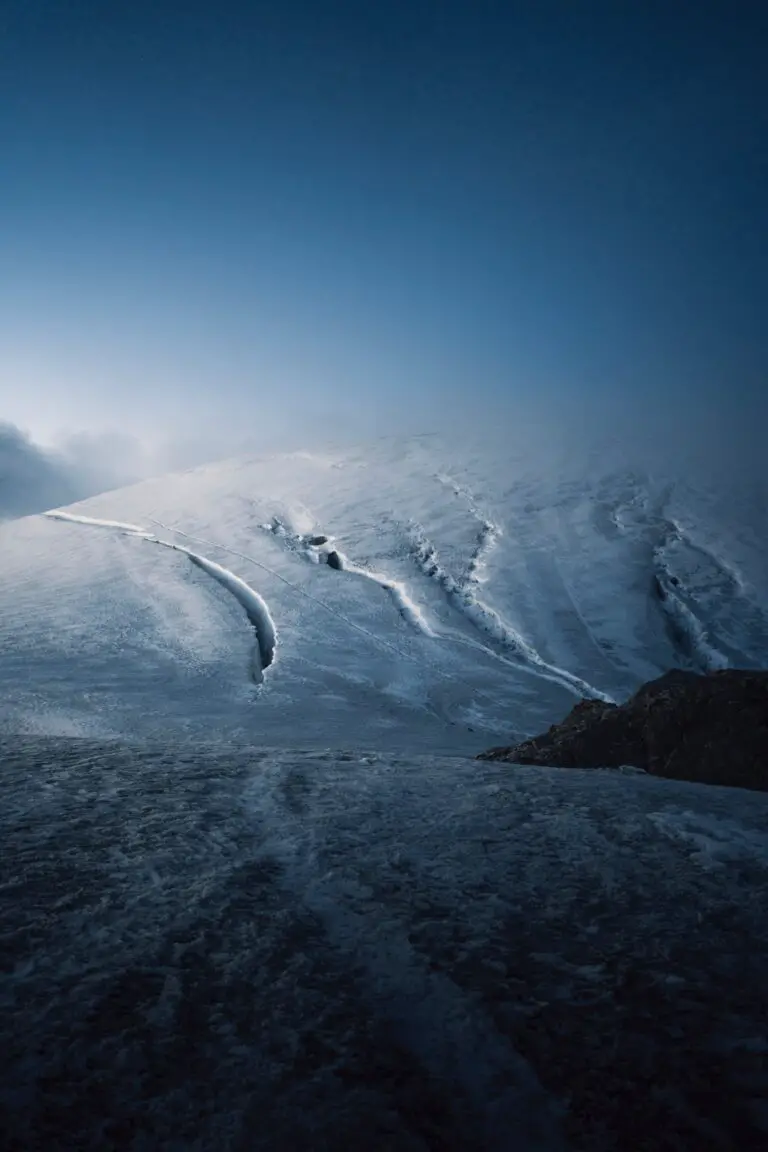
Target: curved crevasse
{"type": "Point", "coordinates": [487, 620]}
{"type": "Point", "coordinates": [255, 605]}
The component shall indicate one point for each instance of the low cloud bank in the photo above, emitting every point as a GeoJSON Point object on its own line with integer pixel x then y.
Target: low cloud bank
{"type": "Point", "coordinates": [34, 478]}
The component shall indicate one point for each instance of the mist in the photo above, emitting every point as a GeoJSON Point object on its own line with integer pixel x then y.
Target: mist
{"type": "Point", "coordinates": [34, 478]}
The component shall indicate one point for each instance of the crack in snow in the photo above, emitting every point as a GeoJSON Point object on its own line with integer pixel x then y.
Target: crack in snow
{"type": "Point", "coordinates": [489, 533]}
{"type": "Point", "coordinates": [487, 620]}
{"type": "Point", "coordinates": [255, 606]}
{"type": "Point", "coordinates": [441, 673]}
{"type": "Point", "coordinates": [315, 546]}
{"type": "Point", "coordinates": [70, 517]}
{"type": "Point", "coordinates": [688, 633]}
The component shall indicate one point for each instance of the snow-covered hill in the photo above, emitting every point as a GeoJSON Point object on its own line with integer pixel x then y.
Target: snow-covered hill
{"type": "Point", "coordinates": [408, 594]}
{"type": "Point", "coordinates": [254, 894]}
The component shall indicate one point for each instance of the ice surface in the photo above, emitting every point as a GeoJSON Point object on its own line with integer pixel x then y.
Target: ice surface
{"type": "Point", "coordinates": [479, 594]}
{"type": "Point", "coordinates": [218, 935]}
{"type": "Point", "coordinates": [255, 606]}
{"type": "Point", "coordinates": [229, 948]}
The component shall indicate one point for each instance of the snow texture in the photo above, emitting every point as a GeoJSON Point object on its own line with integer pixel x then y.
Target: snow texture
{"type": "Point", "coordinates": [218, 933]}
{"type": "Point", "coordinates": [226, 948]}
{"type": "Point", "coordinates": [470, 596]}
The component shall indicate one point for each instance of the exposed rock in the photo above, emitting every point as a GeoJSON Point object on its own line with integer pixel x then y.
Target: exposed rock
{"type": "Point", "coordinates": [335, 561]}
{"type": "Point", "coordinates": [712, 729]}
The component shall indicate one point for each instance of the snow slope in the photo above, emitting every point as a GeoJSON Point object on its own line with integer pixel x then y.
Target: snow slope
{"type": "Point", "coordinates": [409, 593]}
{"type": "Point", "coordinates": [254, 894]}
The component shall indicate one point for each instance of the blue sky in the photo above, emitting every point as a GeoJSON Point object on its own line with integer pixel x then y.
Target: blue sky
{"type": "Point", "coordinates": [335, 218]}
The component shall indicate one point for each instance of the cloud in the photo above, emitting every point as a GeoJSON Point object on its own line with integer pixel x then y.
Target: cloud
{"type": "Point", "coordinates": [34, 478]}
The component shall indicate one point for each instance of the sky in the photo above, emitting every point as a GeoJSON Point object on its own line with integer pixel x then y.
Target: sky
{"type": "Point", "coordinates": [268, 223]}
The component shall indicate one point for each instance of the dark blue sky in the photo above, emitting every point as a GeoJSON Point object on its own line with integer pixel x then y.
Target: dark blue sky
{"type": "Point", "coordinates": [328, 216]}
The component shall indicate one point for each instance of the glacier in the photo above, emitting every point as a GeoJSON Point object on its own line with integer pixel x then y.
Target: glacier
{"type": "Point", "coordinates": [474, 596]}
{"type": "Point", "coordinates": [256, 893]}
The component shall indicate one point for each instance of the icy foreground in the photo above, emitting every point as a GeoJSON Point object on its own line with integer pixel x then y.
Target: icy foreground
{"type": "Point", "coordinates": [408, 595]}
{"type": "Point", "coordinates": [241, 949]}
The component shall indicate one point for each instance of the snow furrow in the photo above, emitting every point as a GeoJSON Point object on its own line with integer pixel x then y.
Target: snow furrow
{"type": "Point", "coordinates": [489, 534]}
{"type": "Point", "coordinates": [256, 608]}
{"type": "Point", "coordinates": [688, 633]}
{"type": "Point", "coordinates": [317, 546]}
{"type": "Point", "coordinates": [487, 537]}
{"type": "Point", "coordinates": [487, 620]}
{"type": "Point", "coordinates": [70, 517]}
{"type": "Point", "coordinates": [410, 611]}
{"type": "Point", "coordinates": [289, 584]}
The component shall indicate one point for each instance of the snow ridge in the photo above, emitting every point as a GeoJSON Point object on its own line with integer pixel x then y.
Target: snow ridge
{"type": "Point", "coordinates": [486, 542]}
{"type": "Point", "coordinates": [70, 517]}
{"type": "Point", "coordinates": [409, 610]}
{"type": "Point", "coordinates": [254, 604]}
{"type": "Point", "coordinates": [487, 620]}
{"type": "Point", "coordinates": [321, 545]}
{"type": "Point", "coordinates": [489, 533]}
{"type": "Point", "coordinates": [688, 633]}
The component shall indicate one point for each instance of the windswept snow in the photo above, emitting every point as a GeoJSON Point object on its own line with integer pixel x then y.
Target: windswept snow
{"type": "Point", "coordinates": [488, 621]}
{"type": "Point", "coordinates": [375, 947]}
{"type": "Point", "coordinates": [255, 606]}
{"type": "Point", "coordinates": [72, 518]}
{"type": "Point", "coordinates": [475, 596]}
{"type": "Point", "coordinates": [224, 948]}
{"type": "Point", "coordinates": [717, 841]}
{"type": "Point", "coordinates": [320, 546]}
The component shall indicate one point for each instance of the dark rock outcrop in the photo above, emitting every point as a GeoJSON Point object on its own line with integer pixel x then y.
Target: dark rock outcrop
{"type": "Point", "coordinates": [712, 729]}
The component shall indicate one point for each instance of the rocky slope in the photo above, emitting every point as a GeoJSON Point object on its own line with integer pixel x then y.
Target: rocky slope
{"type": "Point", "coordinates": [711, 729]}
